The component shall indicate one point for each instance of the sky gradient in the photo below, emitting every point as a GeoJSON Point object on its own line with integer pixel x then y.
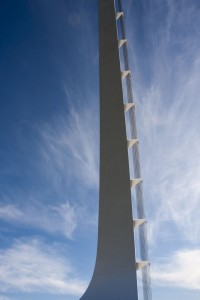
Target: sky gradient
{"type": "Point", "coordinates": [49, 143]}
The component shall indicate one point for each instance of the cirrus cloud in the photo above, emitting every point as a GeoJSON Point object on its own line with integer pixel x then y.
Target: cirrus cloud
{"type": "Point", "coordinates": [32, 266]}
{"type": "Point", "coordinates": [179, 270]}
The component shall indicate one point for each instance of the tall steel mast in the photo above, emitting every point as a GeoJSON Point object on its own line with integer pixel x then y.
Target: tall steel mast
{"type": "Point", "coordinates": [114, 276]}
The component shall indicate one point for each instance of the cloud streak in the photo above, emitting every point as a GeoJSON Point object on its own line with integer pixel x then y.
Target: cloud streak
{"type": "Point", "coordinates": [71, 146]}
{"type": "Point", "coordinates": [52, 219]}
{"type": "Point", "coordinates": [33, 267]}
{"type": "Point", "coordinates": [4, 298]}
{"type": "Point", "coordinates": [65, 163]}
{"type": "Point", "coordinates": [179, 270]}
{"type": "Point", "coordinates": [169, 120]}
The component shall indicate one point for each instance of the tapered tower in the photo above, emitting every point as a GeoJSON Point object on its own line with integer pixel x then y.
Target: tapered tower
{"type": "Point", "coordinates": [114, 276]}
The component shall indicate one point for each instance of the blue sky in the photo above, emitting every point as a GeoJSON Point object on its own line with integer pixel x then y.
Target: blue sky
{"type": "Point", "coordinates": [49, 138]}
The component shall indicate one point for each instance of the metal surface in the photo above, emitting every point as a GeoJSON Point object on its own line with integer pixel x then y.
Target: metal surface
{"type": "Point", "coordinates": [114, 276]}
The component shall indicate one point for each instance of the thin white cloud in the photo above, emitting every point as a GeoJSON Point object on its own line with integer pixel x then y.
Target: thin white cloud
{"type": "Point", "coordinates": [179, 270]}
{"type": "Point", "coordinates": [2, 297]}
{"type": "Point", "coordinates": [53, 219]}
{"type": "Point", "coordinates": [71, 147]}
{"type": "Point", "coordinates": [33, 267]}
{"type": "Point", "coordinates": [68, 163]}
{"type": "Point", "coordinates": [168, 111]}
{"type": "Point", "coordinates": [10, 212]}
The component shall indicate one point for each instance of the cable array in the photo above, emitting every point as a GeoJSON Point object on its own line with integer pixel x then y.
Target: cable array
{"type": "Point", "coordinates": [146, 281]}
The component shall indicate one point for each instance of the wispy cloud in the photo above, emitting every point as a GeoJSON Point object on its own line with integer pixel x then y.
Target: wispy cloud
{"type": "Point", "coordinates": [65, 167]}
{"type": "Point", "coordinates": [53, 219]}
{"type": "Point", "coordinates": [33, 267]}
{"type": "Point", "coordinates": [168, 113]}
{"type": "Point", "coordinates": [4, 298]}
{"type": "Point", "coordinates": [179, 270]}
{"type": "Point", "coordinates": [71, 146]}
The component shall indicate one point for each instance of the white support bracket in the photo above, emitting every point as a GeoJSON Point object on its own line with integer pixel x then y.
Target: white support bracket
{"type": "Point", "coordinates": [119, 15]}
{"type": "Point", "coordinates": [135, 181]}
{"type": "Point", "coordinates": [128, 106]}
{"type": "Point", "coordinates": [138, 222]}
{"type": "Point", "coordinates": [142, 264]}
{"type": "Point", "coordinates": [131, 142]}
{"type": "Point", "coordinates": [121, 43]}
{"type": "Point", "coordinates": [125, 73]}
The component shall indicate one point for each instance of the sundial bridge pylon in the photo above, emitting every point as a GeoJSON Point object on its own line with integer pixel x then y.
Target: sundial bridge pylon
{"type": "Point", "coordinates": [115, 272]}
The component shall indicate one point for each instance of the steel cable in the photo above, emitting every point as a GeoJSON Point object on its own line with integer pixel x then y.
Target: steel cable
{"type": "Point", "coordinates": [146, 280]}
